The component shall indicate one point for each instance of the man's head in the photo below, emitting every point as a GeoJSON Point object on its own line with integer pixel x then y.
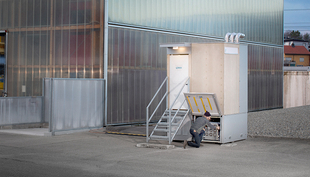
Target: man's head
{"type": "Point", "coordinates": [207, 115]}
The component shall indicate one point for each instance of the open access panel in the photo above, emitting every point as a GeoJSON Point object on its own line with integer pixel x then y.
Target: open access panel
{"type": "Point", "coordinates": [232, 127]}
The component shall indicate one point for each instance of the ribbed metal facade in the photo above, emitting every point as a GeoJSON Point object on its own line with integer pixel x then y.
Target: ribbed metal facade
{"type": "Point", "coordinates": [65, 39]}
{"type": "Point", "coordinates": [74, 103]}
{"type": "Point", "coordinates": [265, 77]}
{"type": "Point", "coordinates": [261, 21]}
{"type": "Point", "coordinates": [137, 67]}
{"type": "Point", "coordinates": [51, 38]}
{"type": "Point", "coordinates": [21, 110]}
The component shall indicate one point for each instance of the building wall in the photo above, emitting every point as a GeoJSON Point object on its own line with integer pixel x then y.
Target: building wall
{"type": "Point", "coordinates": [296, 58]}
{"type": "Point", "coordinates": [261, 21]}
{"type": "Point", "coordinates": [49, 38]}
{"type": "Point", "coordinates": [205, 21]}
{"type": "Point", "coordinates": [296, 88]}
{"type": "Point", "coordinates": [64, 39]}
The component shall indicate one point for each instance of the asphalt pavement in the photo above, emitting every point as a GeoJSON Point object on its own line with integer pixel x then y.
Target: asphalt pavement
{"type": "Point", "coordinates": [95, 153]}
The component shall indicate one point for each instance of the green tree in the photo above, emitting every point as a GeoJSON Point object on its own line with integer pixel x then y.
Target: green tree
{"type": "Point", "coordinates": [306, 37]}
{"type": "Point", "coordinates": [295, 35]}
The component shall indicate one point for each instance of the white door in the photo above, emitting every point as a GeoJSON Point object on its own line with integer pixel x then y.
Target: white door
{"type": "Point", "coordinates": [178, 75]}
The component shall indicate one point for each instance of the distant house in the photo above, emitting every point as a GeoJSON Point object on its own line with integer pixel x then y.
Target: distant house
{"type": "Point", "coordinates": [296, 55]}
{"type": "Point", "coordinates": [296, 42]}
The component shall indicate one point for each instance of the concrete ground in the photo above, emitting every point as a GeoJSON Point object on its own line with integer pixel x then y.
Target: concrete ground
{"type": "Point", "coordinates": [94, 153]}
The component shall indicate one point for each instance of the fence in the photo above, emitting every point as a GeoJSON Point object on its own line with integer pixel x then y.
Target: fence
{"type": "Point", "coordinates": [296, 88]}
{"type": "Point", "coordinates": [72, 104]}
{"type": "Point", "coordinates": [20, 110]}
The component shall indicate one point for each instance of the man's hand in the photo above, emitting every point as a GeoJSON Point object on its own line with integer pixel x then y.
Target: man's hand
{"type": "Point", "coordinates": [218, 127]}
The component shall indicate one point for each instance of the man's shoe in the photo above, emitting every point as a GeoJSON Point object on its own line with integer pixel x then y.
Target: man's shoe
{"type": "Point", "coordinates": [184, 144]}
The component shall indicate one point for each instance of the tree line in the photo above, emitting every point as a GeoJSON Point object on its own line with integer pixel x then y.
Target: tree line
{"type": "Point", "coordinates": [296, 35]}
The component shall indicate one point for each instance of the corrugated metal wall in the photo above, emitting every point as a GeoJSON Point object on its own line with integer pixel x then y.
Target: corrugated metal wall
{"type": "Point", "coordinates": [260, 20]}
{"type": "Point", "coordinates": [137, 27]}
{"type": "Point", "coordinates": [74, 103]}
{"type": "Point", "coordinates": [136, 69]}
{"type": "Point", "coordinates": [265, 77]}
{"type": "Point", "coordinates": [21, 110]}
{"type": "Point", "coordinates": [64, 39]}
{"type": "Point", "coordinates": [51, 38]}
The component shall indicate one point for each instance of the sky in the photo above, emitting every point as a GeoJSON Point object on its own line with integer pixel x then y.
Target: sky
{"type": "Point", "coordinates": [297, 15]}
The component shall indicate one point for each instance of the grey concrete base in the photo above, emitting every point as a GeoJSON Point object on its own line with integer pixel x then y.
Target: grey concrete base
{"type": "Point", "coordinates": [24, 126]}
{"type": "Point", "coordinates": [44, 131]}
{"type": "Point", "coordinates": [156, 146]}
{"type": "Point", "coordinates": [30, 131]}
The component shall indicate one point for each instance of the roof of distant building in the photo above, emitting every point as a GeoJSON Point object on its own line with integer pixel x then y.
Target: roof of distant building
{"type": "Point", "coordinates": [297, 40]}
{"type": "Point", "coordinates": [297, 50]}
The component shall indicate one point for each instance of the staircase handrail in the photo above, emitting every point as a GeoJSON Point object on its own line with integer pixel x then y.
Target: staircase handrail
{"type": "Point", "coordinates": [148, 119]}
{"type": "Point", "coordinates": [185, 83]}
{"type": "Point", "coordinates": [147, 108]}
{"type": "Point", "coordinates": [170, 140]}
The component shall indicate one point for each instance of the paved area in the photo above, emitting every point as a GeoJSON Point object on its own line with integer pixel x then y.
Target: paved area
{"type": "Point", "coordinates": [94, 153]}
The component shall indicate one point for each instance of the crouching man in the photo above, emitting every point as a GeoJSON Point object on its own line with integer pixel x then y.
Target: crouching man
{"type": "Point", "coordinates": [197, 129]}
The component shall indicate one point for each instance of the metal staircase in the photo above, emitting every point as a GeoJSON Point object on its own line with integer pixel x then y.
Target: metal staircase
{"type": "Point", "coordinates": [171, 120]}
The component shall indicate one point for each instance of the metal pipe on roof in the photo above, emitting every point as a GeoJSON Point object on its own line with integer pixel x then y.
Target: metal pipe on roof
{"type": "Point", "coordinates": [238, 36]}
{"type": "Point", "coordinates": [232, 36]}
{"type": "Point", "coordinates": [227, 37]}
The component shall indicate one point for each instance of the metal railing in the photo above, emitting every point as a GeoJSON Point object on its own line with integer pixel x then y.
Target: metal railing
{"type": "Point", "coordinates": [176, 113]}
{"type": "Point", "coordinates": [148, 119]}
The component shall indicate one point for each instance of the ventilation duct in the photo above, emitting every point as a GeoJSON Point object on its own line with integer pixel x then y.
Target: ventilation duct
{"type": "Point", "coordinates": [233, 37]}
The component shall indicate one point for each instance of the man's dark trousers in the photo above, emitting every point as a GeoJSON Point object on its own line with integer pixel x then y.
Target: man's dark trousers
{"type": "Point", "coordinates": [197, 137]}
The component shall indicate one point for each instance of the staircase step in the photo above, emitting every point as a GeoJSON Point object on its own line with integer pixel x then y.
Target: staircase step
{"type": "Point", "coordinates": [167, 124]}
{"type": "Point", "coordinates": [177, 117]}
{"type": "Point", "coordinates": [174, 111]}
{"type": "Point", "coordinates": [163, 130]}
{"type": "Point", "coordinates": [159, 137]}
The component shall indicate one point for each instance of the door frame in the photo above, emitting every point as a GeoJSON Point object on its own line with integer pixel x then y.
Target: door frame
{"type": "Point", "coordinates": [169, 76]}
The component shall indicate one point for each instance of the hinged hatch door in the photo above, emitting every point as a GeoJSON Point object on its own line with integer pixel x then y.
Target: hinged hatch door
{"type": "Point", "coordinates": [199, 103]}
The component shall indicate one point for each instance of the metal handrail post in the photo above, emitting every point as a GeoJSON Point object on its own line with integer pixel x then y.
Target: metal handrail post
{"type": "Point", "coordinates": [147, 108]}
{"type": "Point", "coordinates": [169, 126]}
{"type": "Point", "coordinates": [167, 88]}
{"type": "Point", "coordinates": [147, 125]}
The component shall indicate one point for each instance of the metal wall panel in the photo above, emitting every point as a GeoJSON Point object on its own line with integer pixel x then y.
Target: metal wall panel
{"type": "Point", "coordinates": [265, 77]}
{"type": "Point", "coordinates": [75, 103]}
{"type": "Point", "coordinates": [261, 21]}
{"type": "Point", "coordinates": [51, 38]}
{"type": "Point", "coordinates": [136, 68]}
{"type": "Point", "coordinates": [20, 110]}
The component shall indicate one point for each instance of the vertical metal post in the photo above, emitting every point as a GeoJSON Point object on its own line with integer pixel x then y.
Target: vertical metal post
{"type": "Point", "coordinates": [147, 124]}
{"type": "Point", "coordinates": [43, 102]}
{"type": "Point", "coordinates": [105, 58]}
{"type": "Point", "coordinates": [51, 106]}
{"type": "Point", "coordinates": [169, 126]}
{"type": "Point", "coordinates": [167, 87]}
